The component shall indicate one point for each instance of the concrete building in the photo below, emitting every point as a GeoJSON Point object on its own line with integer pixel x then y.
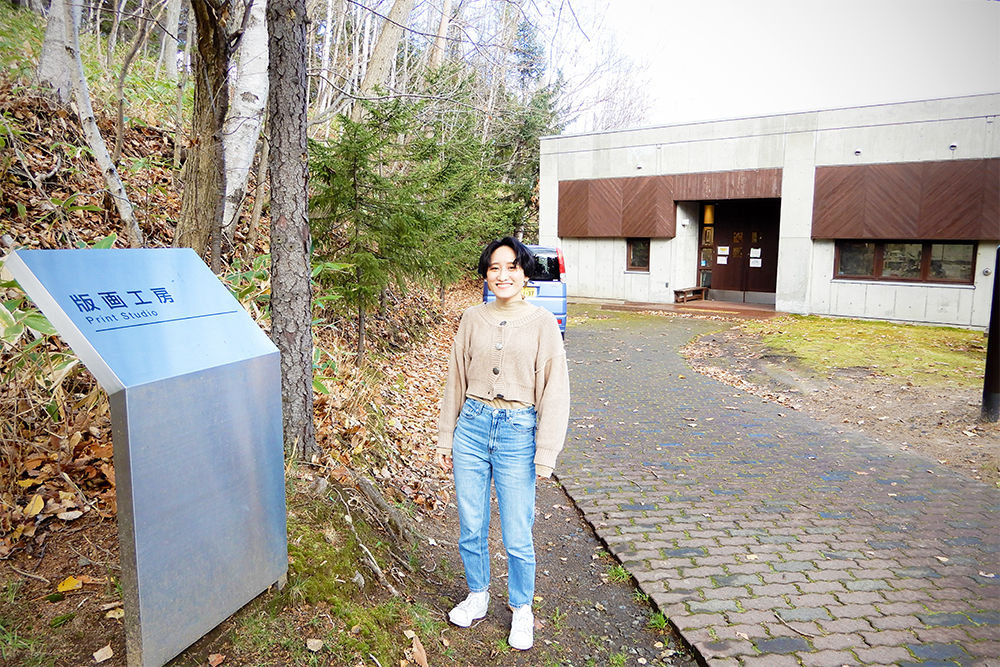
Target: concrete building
{"type": "Point", "coordinates": [889, 212]}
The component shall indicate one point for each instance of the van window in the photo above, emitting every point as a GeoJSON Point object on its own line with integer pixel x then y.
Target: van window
{"type": "Point", "coordinates": [546, 266]}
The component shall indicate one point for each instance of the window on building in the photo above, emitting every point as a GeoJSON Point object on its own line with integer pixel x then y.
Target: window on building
{"type": "Point", "coordinates": [905, 261]}
{"type": "Point", "coordinates": [638, 255]}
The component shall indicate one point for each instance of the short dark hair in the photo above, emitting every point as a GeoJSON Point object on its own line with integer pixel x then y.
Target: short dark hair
{"type": "Point", "coordinates": [522, 256]}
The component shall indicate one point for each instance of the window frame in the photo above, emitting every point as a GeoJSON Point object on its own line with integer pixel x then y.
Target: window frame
{"type": "Point", "coordinates": [629, 247]}
{"type": "Point", "coordinates": [925, 262]}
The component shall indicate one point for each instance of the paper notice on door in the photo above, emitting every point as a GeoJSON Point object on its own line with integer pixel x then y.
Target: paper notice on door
{"type": "Point", "coordinates": [755, 263]}
{"type": "Point", "coordinates": [755, 252]}
{"type": "Point", "coordinates": [722, 260]}
{"type": "Point", "coordinates": [723, 250]}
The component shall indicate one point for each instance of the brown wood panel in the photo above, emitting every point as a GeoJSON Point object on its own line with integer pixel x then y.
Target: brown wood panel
{"type": "Point", "coordinates": [604, 211]}
{"type": "Point", "coordinates": [647, 207]}
{"type": "Point", "coordinates": [951, 203]}
{"type": "Point", "coordinates": [745, 184]}
{"type": "Point", "coordinates": [892, 200]}
{"type": "Point", "coordinates": [839, 203]}
{"type": "Point", "coordinates": [573, 205]}
{"type": "Point", "coordinates": [990, 230]}
{"type": "Point", "coordinates": [956, 200]}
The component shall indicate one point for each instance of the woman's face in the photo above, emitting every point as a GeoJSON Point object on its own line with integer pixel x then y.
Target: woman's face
{"type": "Point", "coordinates": [505, 279]}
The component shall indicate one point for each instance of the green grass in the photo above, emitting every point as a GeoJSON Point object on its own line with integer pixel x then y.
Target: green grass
{"type": "Point", "coordinates": [21, 649]}
{"type": "Point", "coordinates": [924, 355]}
{"type": "Point", "coordinates": [149, 100]}
{"type": "Point", "coordinates": [321, 600]}
{"type": "Point", "coordinates": [618, 574]}
{"type": "Point", "coordinates": [617, 659]}
{"type": "Point", "coordinates": [558, 620]}
{"type": "Point", "coordinates": [658, 621]}
{"type": "Point", "coordinates": [21, 34]}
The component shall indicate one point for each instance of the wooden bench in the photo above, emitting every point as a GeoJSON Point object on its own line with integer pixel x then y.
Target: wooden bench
{"type": "Point", "coordinates": [689, 294]}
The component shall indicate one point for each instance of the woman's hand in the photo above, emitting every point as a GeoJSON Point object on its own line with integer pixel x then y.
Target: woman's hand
{"type": "Point", "coordinates": [444, 461]}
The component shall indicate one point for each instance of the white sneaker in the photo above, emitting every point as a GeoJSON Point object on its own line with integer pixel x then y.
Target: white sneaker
{"type": "Point", "coordinates": [471, 609]}
{"type": "Point", "coordinates": [522, 629]}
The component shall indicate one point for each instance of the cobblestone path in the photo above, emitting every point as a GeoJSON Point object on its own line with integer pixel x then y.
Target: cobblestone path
{"type": "Point", "coordinates": [767, 538]}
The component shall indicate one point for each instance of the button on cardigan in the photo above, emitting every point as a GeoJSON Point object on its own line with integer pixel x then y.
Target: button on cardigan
{"type": "Point", "coordinates": [515, 353]}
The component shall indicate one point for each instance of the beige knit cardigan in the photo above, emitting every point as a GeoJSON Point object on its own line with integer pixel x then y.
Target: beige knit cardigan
{"type": "Point", "coordinates": [515, 355]}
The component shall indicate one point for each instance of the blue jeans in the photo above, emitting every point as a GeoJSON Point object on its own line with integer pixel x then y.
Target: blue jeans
{"type": "Point", "coordinates": [498, 444]}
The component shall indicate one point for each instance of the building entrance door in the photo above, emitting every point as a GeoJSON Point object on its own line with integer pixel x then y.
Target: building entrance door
{"type": "Point", "coordinates": [739, 253]}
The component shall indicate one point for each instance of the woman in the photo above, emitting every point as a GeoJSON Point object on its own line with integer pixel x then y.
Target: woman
{"type": "Point", "coordinates": [503, 417]}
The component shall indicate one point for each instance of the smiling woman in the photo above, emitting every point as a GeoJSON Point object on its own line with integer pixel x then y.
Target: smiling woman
{"type": "Point", "coordinates": [503, 421]}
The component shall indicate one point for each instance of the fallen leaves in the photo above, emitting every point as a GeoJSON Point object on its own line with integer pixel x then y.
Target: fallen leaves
{"type": "Point", "coordinates": [35, 505]}
{"type": "Point", "coordinates": [417, 651]}
{"type": "Point", "coordinates": [70, 583]}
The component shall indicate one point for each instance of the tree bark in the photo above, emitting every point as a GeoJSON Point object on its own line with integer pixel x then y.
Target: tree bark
{"type": "Point", "coordinates": [385, 50]}
{"type": "Point", "coordinates": [120, 90]}
{"type": "Point", "coordinates": [437, 50]}
{"type": "Point", "coordinates": [95, 141]}
{"type": "Point", "coordinates": [323, 90]}
{"type": "Point", "coordinates": [260, 193]}
{"type": "Point", "coordinates": [116, 9]}
{"type": "Point", "coordinates": [55, 71]}
{"type": "Point", "coordinates": [291, 311]}
{"type": "Point", "coordinates": [168, 47]}
{"type": "Point", "coordinates": [246, 112]}
{"type": "Point", "coordinates": [179, 104]}
{"type": "Point", "coordinates": [204, 188]}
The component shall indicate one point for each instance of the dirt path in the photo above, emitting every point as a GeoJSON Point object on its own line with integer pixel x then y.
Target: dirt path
{"type": "Point", "coordinates": [937, 422]}
{"type": "Point", "coordinates": [587, 610]}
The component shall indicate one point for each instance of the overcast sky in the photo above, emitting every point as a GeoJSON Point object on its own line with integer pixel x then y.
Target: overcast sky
{"type": "Point", "coordinates": [713, 59]}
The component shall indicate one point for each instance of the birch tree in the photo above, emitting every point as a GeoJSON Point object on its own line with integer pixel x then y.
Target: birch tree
{"type": "Point", "coordinates": [249, 86]}
{"type": "Point", "coordinates": [55, 70]}
{"type": "Point", "coordinates": [168, 46]}
{"type": "Point", "coordinates": [81, 93]}
{"type": "Point", "coordinates": [385, 50]}
{"type": "Point", "coordinates": [437, 50]}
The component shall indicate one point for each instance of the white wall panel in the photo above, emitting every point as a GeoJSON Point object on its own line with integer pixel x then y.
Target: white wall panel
{"type": "Point", "coordinates": [943, 305]}
{"type": "Point", "coordinates": [911, 304]}
{"type": "Point", "coordinates": [849, 299]}
{"type": "Point", "coordinates": [880, 301]}
{"type": "Point", "coordinates": [820, 285]}
{"type": "Point", "coordinates": [982, 298]}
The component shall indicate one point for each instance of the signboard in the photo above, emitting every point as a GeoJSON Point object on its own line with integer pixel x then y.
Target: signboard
{"type": "Point", "coordinates": [195, 392]}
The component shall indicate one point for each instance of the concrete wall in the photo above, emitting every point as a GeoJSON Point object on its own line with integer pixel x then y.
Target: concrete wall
{"type": "Point", "coordinates": [798, 144]}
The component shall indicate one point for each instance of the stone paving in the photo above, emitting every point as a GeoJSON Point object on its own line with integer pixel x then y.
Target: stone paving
{"type": "Point", "coordinates": [767, 538]}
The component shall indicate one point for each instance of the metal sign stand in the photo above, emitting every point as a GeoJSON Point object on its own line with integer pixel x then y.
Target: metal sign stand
{"type": "Point", "coordinates": [195, 392]}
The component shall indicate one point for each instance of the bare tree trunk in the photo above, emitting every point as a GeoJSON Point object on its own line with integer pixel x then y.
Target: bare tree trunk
{"type": "Point", "coordinates": [120, 91]}
{"type": "Point", "coordinates": [116, 7]}
{"type": "Point", "coordinates": [511, 16]}
{"type": "Point", "coordinates": [323, 91]}
{"type": "Point", "coordinates": [55, 70]}
{"type": "Point", "coordinates": [181, 85]}
{"type": "Point", "coordinates": [246, 112]}
{"type": "Point", "coordinates": [89, 124]}
{"type": "Point", "coordinates": [437, 50]}
{"type": "Point", "coordinates": [202, 203]}
{"type": "Point", "coordinates": [291, 312]}
{"type": "Point", "coordinates": [385, 50]}
{"type": "Point", "coordinates": [260, 193]}
{"type": "Point", "coordinates": [168, 48]}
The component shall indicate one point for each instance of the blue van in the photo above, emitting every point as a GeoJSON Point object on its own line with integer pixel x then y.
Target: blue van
{"type": "Point", "coordinates": [547, 288]}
